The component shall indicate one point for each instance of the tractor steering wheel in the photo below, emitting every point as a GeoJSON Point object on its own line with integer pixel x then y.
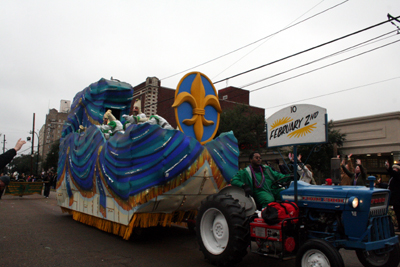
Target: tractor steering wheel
{"type": "Point", "coordinates": [279, 184]}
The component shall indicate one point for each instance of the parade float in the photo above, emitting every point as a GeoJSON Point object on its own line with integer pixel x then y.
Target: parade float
{"type": "Point", "coordinates": [145, 175]}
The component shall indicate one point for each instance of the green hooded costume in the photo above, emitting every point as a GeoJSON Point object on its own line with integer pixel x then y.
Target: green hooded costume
{"type": "Point", "coordinates": [262, 191]}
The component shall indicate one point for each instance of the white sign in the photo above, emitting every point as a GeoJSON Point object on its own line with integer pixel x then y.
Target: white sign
{"type": "Point", "coordinates": [299, 124]}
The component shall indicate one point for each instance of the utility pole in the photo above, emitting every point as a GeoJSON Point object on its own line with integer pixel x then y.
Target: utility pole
{"type": "Point", "coordinates": [4, 150]}
{"type": "Point", "coordinates": [33, 142]}
{"type": "Point", "coordinates": [37, 161]}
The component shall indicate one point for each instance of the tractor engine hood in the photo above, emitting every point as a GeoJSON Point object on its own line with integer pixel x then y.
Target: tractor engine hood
{"type": "Point", "coordinates": [337, 197]}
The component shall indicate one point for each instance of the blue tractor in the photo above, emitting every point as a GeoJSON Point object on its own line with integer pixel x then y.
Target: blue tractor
{"type": "Point", "coordinates": [330, 218]}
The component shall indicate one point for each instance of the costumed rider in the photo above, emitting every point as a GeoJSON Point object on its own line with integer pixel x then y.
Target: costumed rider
{"type": "Point", "coordinates": [110, 125]}
{"type": "Point", "coordinates": [257, 180]}
{"type": "Point", "coordinates": [81, 129]}
{"type": "Point", "coordinates": [158, 120]}
{"type": "Point", "coordinates": [137, 117]}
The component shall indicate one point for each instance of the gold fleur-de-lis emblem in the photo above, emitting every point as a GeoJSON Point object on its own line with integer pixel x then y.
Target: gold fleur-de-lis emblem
{"type": "Point", "coordinates": [198, 100]}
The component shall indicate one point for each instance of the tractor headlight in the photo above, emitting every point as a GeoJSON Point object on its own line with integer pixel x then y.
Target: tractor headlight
{"type": "Point", "coordinates": [353, 202]}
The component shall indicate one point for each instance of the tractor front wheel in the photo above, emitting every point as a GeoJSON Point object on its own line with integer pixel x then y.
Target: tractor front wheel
{"type": "Point", "coordinates": [376, 259]}
{"type": "Point", "coordinates": [318, 252]}
{"type": "Point", "coordinates": [222, 230]}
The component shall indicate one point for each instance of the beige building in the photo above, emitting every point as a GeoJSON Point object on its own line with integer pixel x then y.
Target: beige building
{"type": "Point", "coordinates": [373, 139]}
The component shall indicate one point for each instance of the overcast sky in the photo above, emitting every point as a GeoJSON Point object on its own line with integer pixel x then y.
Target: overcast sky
{"type": "Point", "coordinates": [50, 50]}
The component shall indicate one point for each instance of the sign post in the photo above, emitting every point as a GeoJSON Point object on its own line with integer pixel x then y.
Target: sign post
{"type": "Point", "coordinates": [297, 125]}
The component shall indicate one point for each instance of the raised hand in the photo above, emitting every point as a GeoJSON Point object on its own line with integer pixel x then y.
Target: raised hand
{"type": "Point", "coordinates": [19, 144]}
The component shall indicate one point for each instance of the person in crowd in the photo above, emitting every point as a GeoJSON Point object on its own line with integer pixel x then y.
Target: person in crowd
{"type": "Point", "coordinates": [359, 176]}
{"type": "Point", "coordinates": [394, 187]}
{"type": "Point", "coordinates": [6, 158]}
{"type": "Point", "coordinates": [282, 167]}
{"type": "Point", "coordinates": [257, 180]}
{"type": "Point", "coordinates": [54, 179]}
{"type": "Point", "coordinates": [4, 181]}
{"type": "Point", "coordinates": [344, 178]}
{"type": "Point", "coordinates": [270, 165]}
{"type": "Point", "coordinates": [380, 184]}
{"type": "Point", "coordinates": [328, 181]}
{"type": "Point", "coordinates": [304, 171]}
{"type": "Point", "coordinates": [48, 179]}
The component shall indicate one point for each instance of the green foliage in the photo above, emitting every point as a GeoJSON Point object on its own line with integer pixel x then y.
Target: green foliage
{"type": "Point", "coordinates": [320, 158]}
{"type": "Point", "coordinates": [52, 157]}
{"type": "Point", "coordinates": [22, 164]}
{"type": "Point", "coordinates": [248, 127]}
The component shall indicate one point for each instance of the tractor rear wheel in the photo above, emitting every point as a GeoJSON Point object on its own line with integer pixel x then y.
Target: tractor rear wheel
{"type": "Point", "coordinates": [374, 259]}
{"type": "Point", "coordinates": [222, 230]}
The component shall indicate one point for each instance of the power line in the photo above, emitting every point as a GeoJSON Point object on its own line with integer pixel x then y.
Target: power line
{"type": "Point", "coordinates": [325, 57]}
{"type": "Point", "coordinates": [340, 91]}
{"type": "Point", "coordinates": [264, 42]}
{"type": "Point", "coordinates": [296, 76]}
{"type": "Point", "coordinates": [352, 47]}
{"type": "Point", "coordinates": [334, 63]}
{"type": "Point", "coordinates": [304, 51]}
{"type": "Point", "coordinates": [254, 42]}
{"type": "Point", "coordinates": [359, 31]}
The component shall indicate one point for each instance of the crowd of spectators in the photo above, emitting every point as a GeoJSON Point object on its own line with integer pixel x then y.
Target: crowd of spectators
{"type": "Point", "coordinates": [353, 173]}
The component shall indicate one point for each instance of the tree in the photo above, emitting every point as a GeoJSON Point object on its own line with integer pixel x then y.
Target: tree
{"type": "Point", "coordinates": [52, 157]}
{"type": "Point", "coordinates": [320, 158]}
{"type": "Point", "coordinates": [21, 164]}
{"type": "Point", "coordinates": [248, 127]}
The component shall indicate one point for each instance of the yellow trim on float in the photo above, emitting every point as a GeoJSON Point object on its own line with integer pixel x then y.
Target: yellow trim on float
{"type": "Point", "coordinates": [139, 220]}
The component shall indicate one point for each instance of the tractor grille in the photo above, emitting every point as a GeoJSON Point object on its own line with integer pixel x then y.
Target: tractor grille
{"type": "Point", "coordinates": [379, 203]}
{"type": "Point", "coordinates": [377, 212]}
{"type": "Point", "coordinates": [379, 228]}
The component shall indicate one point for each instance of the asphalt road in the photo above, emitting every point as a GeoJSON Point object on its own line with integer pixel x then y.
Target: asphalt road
{"type": "Point", "coordinates": [34, 232]}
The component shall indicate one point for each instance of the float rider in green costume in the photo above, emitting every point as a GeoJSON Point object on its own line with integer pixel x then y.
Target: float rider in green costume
{"type": "Point", "coordinates": [138, 116]}
{"type": "Point", "coordinates": [110, 125]}
{"type": "Point", "coordinates": [256, 180]}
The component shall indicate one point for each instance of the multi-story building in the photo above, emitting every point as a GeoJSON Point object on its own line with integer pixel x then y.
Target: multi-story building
{"type": "Point", "coordinates": [156, 99]}
{"type": "Point", "coordinates": [51, 130]}
{"type": "Point", "coordinates": [40, 148]}
{"type": "Point", "coordinates": [230, 97]}
{"type": "Point", "coordinates": [65, 106]}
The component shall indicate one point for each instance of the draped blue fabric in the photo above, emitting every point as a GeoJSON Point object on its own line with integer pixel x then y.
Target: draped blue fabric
{"type": "Point", "coordinates": [132, 161]}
